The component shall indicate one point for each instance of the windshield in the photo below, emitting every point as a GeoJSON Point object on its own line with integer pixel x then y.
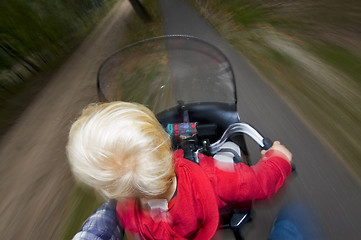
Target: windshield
{"type": "Point", "coordinates": [164, 71]}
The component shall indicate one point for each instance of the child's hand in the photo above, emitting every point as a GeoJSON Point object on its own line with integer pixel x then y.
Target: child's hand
{"type": "Point", "coordinates": [278, 147]}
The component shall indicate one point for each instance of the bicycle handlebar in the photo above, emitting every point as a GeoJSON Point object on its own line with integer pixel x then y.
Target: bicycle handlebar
{"type": "Point", "coordinates": [237, 128]}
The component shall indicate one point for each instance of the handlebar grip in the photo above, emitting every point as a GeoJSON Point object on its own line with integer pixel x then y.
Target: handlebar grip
{"type": "Point", "coordinates": [267, 143]}
{"type": "Point", "coordinates": [293, 166]}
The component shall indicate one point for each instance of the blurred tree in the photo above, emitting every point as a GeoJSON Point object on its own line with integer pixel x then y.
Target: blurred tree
{"type": "Point", "coordinates": [140, 10]}
{"type": "Point", "coordinates": [34, 33]}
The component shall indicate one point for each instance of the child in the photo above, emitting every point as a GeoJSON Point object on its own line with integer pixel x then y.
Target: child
{"type": "Point", "coordinates": [122, 151]}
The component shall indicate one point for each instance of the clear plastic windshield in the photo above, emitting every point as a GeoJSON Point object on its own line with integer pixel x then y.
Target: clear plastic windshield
{"type": "Point", "coordinates": [164, 71]}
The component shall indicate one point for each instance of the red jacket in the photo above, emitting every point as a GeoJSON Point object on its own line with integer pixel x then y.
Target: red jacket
{"type": "Point", "coordinates": [201, 191]}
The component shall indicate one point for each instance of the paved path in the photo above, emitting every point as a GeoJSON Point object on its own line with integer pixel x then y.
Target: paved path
{"type": "Point", "coordinates": [321, 179]}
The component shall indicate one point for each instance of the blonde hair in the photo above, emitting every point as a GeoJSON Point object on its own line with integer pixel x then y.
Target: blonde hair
{"type": "Point", "coordinates": [121, 150]}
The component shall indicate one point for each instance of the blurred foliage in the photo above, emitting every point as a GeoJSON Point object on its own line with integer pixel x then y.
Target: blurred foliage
{"type": "Point", "coordinates": [34, 37]}
{"type": "Point", "coordinates": [35, 33]}
{"type": "Point", "coordinates": [310, 52]}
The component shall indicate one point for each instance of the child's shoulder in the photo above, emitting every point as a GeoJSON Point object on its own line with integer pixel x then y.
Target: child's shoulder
{"type": "Point", "coordinates": [181, 161]}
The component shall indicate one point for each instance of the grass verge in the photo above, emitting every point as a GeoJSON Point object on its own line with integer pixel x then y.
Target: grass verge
{"type": "Point", "coordinates": [82, 204]}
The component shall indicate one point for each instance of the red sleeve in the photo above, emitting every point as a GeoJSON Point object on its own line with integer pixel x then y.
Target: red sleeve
{"type": "Point", "coordinates": [244, 182]}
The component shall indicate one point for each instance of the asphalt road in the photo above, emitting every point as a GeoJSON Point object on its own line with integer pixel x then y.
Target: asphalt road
{"type": "Point", "coordinates": [321, 181]}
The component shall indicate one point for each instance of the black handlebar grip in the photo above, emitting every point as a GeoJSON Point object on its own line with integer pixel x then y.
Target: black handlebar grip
{"type": "Point", "coordinates": [293, 166]}
{"type": "Point", "coordinates": [267, 143]}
